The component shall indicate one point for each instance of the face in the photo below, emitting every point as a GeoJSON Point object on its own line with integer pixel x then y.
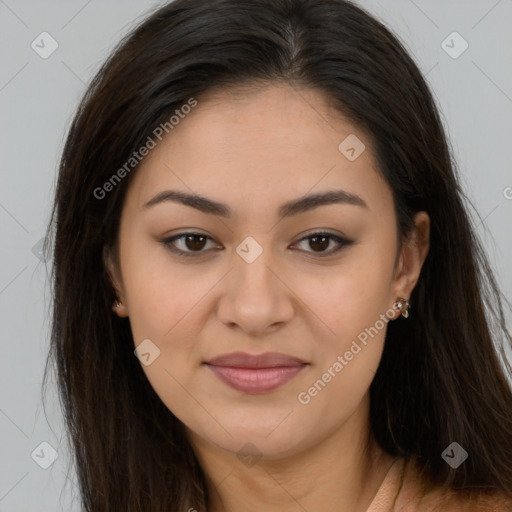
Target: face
{"type": "Point", "coordinates": [315, 282]}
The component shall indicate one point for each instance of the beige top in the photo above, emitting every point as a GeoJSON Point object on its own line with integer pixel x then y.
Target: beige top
{"type": "Point", "coordinates": [403, 487]}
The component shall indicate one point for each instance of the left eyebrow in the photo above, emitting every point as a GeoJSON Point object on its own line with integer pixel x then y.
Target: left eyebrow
{"type": "Point", "coordinates": [287, 209]}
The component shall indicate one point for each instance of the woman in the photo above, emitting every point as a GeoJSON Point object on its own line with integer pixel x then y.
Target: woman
{"type": "Point", "coordinates": [268, 293]}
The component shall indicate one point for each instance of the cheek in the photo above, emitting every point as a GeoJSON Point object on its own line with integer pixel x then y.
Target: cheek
{"type": "Point", "coordinates": [161, 294]}
{"type": "Point", "coordinates": [353, 306]}
{"type": "Point", "coordinates": [164, 300]}
{"type": "Point", "coordinates": [356, 311]}
{"type": "Point", "coordinates": [354, 295]}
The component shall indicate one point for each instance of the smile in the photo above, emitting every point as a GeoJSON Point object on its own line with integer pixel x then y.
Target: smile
{"type": "Point", "coordinates": [256, 380]}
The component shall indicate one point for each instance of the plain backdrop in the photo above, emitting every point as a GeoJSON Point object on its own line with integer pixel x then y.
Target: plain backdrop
{"type": "Point", "coordinates": [38, 96]}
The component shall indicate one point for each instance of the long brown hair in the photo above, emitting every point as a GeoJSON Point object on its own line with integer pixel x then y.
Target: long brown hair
{"type": "Point", "coordinates": [440, 379]}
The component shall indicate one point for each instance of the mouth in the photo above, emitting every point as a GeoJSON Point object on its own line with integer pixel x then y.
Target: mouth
{"type": "Point", "coordinates": [255, 374]}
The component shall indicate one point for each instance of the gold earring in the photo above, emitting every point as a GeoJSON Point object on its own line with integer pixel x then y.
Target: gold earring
{"type": "Point", "coordinates": [403, 306]}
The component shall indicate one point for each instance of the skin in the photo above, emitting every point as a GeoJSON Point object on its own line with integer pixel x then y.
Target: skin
{"type": "Point", "coordinates": [255, 149]}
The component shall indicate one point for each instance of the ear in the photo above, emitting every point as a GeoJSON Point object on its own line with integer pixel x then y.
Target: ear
{"type": "Point", "coordinates": [116, 281]}
{"type": "Point", "coordinates": [412, 256]}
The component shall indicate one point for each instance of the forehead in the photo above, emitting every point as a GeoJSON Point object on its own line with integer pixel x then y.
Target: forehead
{"type": "Point", "coordinates": [258, 145]}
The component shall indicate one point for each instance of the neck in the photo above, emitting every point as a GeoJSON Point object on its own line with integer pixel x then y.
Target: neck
{"type": "Point", "coordinates": [343, 472]}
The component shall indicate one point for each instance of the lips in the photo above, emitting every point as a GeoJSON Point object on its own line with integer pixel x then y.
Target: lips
{"type": "Point", "coordinates": [255, 374]}
{"type": "Point", "coordinates": [266, 360]}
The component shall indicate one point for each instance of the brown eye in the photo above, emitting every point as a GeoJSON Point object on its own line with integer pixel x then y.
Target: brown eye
{"type": "Point", "coordinates": [195, 242]}
{"type": "Point", "coordinates": [319, 242]}
{"type": "Point", "coordinates": [190, 243]}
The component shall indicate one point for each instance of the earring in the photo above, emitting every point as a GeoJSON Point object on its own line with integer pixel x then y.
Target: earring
{"type": "Point", "coordinates": [403, 306]}
{"type": "Point", "coordinates": [116, 304]}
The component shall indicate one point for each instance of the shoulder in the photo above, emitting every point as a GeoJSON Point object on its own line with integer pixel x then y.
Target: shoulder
{"type": "Point", "coordinates": [419, 495]}
{"type": "Point", "coordinates": [406, 489]}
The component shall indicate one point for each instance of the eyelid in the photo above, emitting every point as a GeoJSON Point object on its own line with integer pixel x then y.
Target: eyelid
{"type": "Point", "coordinates": [338, 238]}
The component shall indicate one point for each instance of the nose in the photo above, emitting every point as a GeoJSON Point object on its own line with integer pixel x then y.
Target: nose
{"type": "Point", "coordinates": [257, 299]}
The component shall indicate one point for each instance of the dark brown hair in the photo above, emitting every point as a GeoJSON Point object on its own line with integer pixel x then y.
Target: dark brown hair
{"type": "Point", "coordinates": [440, 379]}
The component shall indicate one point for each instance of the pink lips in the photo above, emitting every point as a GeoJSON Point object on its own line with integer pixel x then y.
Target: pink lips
{"type": "Point", "coordinates": [255, 373]}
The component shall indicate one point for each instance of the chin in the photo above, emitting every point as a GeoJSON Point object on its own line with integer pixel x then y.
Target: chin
{"type": "Point", "coordinates": [260, 440]}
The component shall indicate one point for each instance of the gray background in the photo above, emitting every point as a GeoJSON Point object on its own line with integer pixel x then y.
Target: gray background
{"type": "Point", "coordinates": [37, 99]}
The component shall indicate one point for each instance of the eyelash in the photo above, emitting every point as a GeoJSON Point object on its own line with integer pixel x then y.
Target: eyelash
{"type": "Point", "coordinates": [167, 242]}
